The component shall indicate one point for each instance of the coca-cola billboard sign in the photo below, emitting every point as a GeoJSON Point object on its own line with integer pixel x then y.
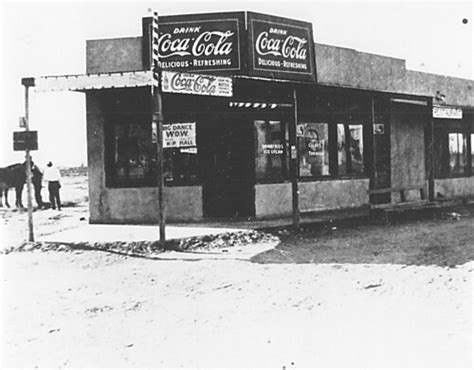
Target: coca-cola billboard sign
{"type": "Point", "coordinates": [281, 48]}
{"type": "Point", "coordinates": [201, 42]}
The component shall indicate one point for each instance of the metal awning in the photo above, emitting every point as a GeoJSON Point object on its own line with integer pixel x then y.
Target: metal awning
{"type": "Point", "coordinates": [94, 81]}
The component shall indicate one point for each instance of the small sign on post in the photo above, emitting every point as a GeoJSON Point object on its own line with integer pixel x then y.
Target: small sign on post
{"type": "Point", "coordinates": [25, 140]}
{"type": "Point", "coordinates": [22, 122]}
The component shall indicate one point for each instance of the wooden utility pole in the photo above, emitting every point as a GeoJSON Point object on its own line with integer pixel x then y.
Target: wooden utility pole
{"type": "Point", "coordinates": [28, 82]}
{"type": "Point", "coordinates": [431, 153]}
{"type": "Point", "coordinates": [157, 123]}
{"type": "Point", "coordinates": [294, 164]}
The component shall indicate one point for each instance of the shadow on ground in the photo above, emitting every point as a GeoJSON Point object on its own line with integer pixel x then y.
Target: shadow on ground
{"type": "Point", "coordinates": [410, 240]}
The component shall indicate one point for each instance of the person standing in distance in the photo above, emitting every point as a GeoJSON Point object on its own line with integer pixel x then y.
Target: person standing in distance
{"type": "Point", "coordinates": [53, 177]}
{"type": "Point", "coordinates": [37, 180]}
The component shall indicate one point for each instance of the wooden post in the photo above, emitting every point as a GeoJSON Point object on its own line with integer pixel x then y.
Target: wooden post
{"type": "Point", "coordinates": [294, 164]}
{"type": "Point", "coordinates": [157, 122]}
{"type": "Point", "coordinates": [28, 82]}
{"type": "Point", "coordinates": [373, 169]}
{"type": "Point", "coordinates": [431, 154]}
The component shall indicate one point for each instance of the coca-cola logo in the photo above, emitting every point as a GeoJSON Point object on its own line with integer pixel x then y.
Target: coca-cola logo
{"type": "Point", "coordinates": [207, 44]}
{"type": "Point", "coordinates": [290, 47]}
{"type": "Point", "coordinates": [203, 85]}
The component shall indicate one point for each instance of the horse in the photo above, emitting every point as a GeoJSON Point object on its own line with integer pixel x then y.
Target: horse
{"type": "Point", "coordinates": [13, 176]}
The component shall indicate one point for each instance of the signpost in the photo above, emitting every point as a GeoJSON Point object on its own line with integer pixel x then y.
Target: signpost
{"type": "Point", "coordinates": [28, 144]}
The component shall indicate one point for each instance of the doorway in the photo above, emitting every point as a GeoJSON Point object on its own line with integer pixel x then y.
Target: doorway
{"type": "Point", "coordinates": [228, 167]}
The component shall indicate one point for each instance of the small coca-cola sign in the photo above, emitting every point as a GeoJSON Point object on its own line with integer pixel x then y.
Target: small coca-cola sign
{"type": "Point", "coordinates": [280, 48]}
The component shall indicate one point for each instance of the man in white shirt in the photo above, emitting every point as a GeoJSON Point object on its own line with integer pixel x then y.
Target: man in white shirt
{"type": "Point", "coordinates": [53, 177]}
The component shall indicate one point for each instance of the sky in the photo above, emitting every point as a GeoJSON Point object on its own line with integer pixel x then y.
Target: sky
{"type": "Point", "coordinates": [49, 38]}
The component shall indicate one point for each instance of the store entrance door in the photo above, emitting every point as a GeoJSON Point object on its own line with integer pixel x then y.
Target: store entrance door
{"type": "Point", "coordinates": [229, 183]}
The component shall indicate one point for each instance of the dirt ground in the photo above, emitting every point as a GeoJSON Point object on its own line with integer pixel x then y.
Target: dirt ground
{"type": "Point", "coordinates": [339, 295]}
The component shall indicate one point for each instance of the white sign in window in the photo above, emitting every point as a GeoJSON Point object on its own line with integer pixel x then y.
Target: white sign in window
{"type": "Point", "coordinates": [179, 135]}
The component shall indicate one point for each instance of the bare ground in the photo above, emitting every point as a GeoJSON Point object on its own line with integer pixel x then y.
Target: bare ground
{"type": "Point", "coordinates": [332, 296]}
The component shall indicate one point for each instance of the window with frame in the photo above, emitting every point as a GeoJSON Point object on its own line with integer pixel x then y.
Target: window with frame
{"type": "Point", "coordinates": [180, 165]}
{"type": "Point", "coordinates": [457, 152]}
{"type": "Point", "coordinates": [180, 153]}
{"type": "Point", "coordinates": [350, 149]}
{"type": "Point", "coordinates": [271, 154]}
{"type": "Point", "coordinates": [472, 154]}
{"type": "Point", "coordinates": [453, 150]}
{"type": "Point", "coordinates": [313, 147]}
{"type": "Point", "coordinates": [130, 154]}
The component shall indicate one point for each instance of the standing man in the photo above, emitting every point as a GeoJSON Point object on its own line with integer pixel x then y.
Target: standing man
{"type": "Point", "coordinates": [53, 177]}
{"type": "Point", "coordinates": [37, 180]}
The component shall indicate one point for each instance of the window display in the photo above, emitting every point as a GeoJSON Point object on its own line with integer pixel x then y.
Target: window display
{"type": "Point", "coordinates": [457, 154]}
{"type": "Point", "coordinates": [350, 149]}
{"type": "Point", "coordinates": [132, 155]}
{"type": "Point", "coordinates": [313, 149]}
{"type": "Point", "coordinates": [271, 157]}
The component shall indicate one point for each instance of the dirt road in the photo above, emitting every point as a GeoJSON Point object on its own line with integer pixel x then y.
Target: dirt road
{"type": "Point", "coordinates": [362, 296]}
{"type": "Point", "coordinates": [94, 309]}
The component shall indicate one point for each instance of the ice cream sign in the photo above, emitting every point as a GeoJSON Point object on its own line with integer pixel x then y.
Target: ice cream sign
{"type": "Point", "coordinates": [280, 47]}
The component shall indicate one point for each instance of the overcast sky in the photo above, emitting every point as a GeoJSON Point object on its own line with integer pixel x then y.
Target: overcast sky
{"type": "Point", "coordinates": [39, 38]}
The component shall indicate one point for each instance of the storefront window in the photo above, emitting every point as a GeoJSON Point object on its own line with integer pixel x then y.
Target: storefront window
{"type": "Point", "coordinates": [350, 149]}
{"type": "Point", "coordinates": [452, 150]}
{"type": "Point", "coordinates": [131, 155]}
{"type": "Point", "coordinates": [472, 154]}
{"type": "Point", "coordinates": [313, 149]}
{"type": "Point", "coordinates": [457, 154]}
{"type": "Point", "coordinates": [271, 157]}
{"type": "Point", "coordinates": [180, 152]}
{"type": "Point", "coordinates": [180, 165]}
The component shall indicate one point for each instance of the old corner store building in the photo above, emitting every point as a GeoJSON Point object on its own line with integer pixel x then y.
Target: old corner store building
{"type": "Point", "coordinates": [364, 122]}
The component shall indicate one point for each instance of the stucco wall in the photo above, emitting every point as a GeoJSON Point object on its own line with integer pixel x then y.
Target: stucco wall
{"type": "Point", "coordinates": [457, 91]}
{"type": "Point", "coordinates": [324, 195]}
{"type": "Point", "coordinates": [273, 200]}
{"type": "Point", "coordinates": [140, 205]}
{"type": "Point", "coordinates": [338, 66]}
{"type": "Point", "coordinates": [460, 187]}
{"type": "Point", "coordinates": [95, 155]}
{"type": "Point", "coordinates": [114, 55]}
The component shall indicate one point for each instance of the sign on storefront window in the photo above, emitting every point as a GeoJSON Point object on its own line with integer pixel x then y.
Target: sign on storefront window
{"type": "Point", "coordinates": [179, 135]}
